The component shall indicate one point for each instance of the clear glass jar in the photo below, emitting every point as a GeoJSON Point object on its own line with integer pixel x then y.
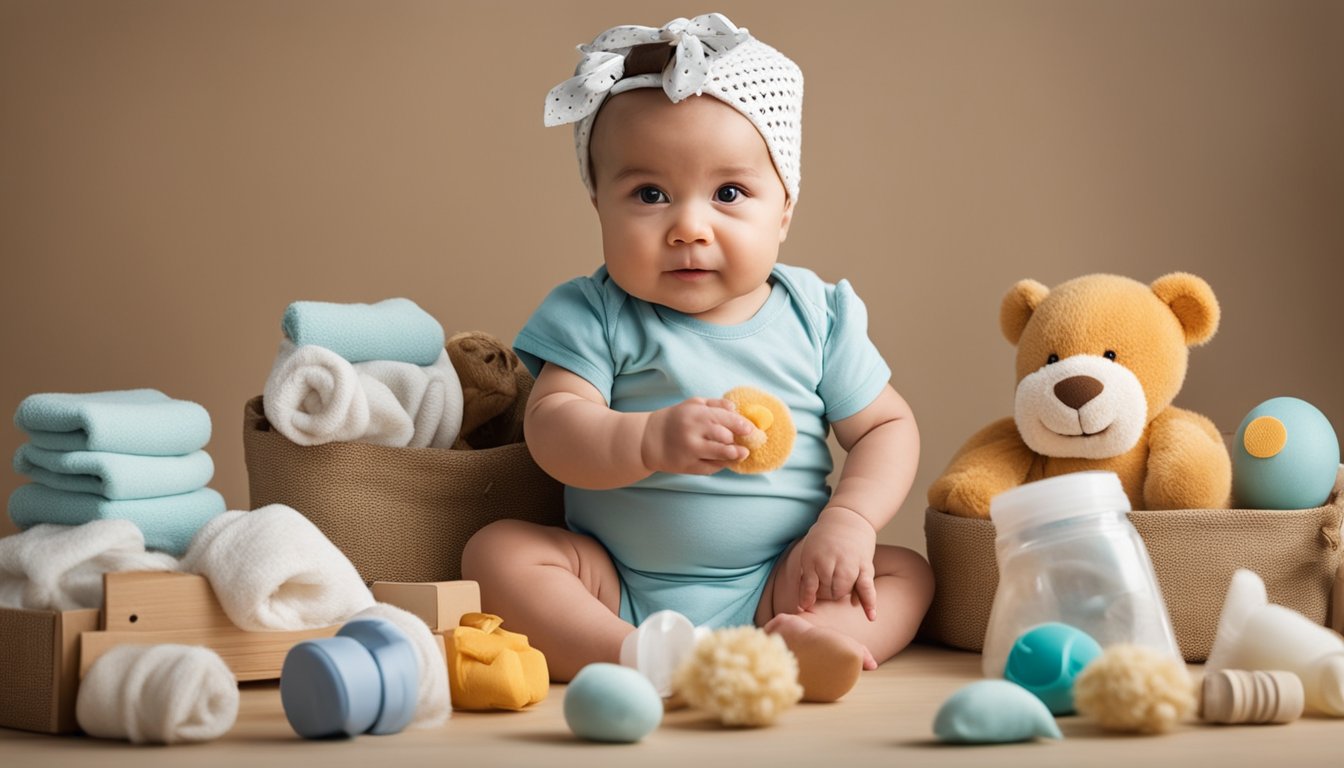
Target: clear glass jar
{"type": "Point", "coordinates": [1068, 553]}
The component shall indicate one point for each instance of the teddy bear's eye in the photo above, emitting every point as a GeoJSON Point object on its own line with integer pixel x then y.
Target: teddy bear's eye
{"type": "Point", "coordinates": [1053, 358]}
{"type": "Point", "coordinates": [1109, 354]}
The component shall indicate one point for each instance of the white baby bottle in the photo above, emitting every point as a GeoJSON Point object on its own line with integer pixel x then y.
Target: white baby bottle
{"type": "Point", "coordinates": [1067, 553]}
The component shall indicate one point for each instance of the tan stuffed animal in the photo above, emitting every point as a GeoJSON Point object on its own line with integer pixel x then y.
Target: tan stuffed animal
{"type": "Point", "coordinates": [495, 386]}
{"type": "Point", "coordinates": [1099, 360]}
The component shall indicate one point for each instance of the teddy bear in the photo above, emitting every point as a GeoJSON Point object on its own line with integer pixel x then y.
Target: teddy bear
{"type": "Point", "coordinates": [495, 387]}
{"type": "Point", "coordinates": [1099, 360]}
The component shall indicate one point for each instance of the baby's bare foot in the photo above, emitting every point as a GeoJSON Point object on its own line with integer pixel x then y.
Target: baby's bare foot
{"type": "Point", "coordinates": [828, 661]}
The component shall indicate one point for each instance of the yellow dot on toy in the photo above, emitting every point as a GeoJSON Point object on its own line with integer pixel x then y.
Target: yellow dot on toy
{"type": "Point", "coordinates": [1265, 437]}
{"type": "Point", "coordinates": [772, 441]}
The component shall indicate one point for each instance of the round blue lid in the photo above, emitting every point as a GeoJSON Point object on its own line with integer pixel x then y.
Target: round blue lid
{"type": "Point", "coordinates": [329, 687]}
{"type": "Point", "coordinates": [395, 656]}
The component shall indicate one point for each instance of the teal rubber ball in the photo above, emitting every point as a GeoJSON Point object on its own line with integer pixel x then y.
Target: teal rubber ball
{"type": "Point", "coordinates": [1285, 456]}
{"type": "Point", "coordinates": [1046, 659]}
{"type": "Point", "coordinates": [608, 702]}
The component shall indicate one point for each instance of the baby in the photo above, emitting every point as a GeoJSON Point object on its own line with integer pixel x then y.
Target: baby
{"type": "Point", "coordinates": [688, 140]}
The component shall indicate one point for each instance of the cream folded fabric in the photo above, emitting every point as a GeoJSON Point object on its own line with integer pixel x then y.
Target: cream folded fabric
{"type": "Point", "coordinates": [272, 569]}
{"type": "Point", "coordinates": [434, 705]}
{"type": "Point", "coordinates": [60, 567]}
{"type": "Point", "coordinates": [315, 396]}
{"type": "Point", "coordinates": [158, 694]}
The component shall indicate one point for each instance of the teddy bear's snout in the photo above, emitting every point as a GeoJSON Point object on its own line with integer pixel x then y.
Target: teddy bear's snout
{"type": "Point", "coordinates": [1077, 391]}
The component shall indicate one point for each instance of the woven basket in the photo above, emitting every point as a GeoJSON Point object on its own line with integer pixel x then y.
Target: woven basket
{"type": "Point", "coordinates": [401, 514]}
{"type": "Point", "coordinates": [1194, 553]}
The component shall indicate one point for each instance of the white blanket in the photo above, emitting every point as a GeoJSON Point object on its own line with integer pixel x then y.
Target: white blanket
{"type": "Point", "coordinates": [314, 396]}
{"type": "Point", "coordinates": [272, 569]}
{"type": "Point", "coordinates": [60, 567]}
{"type": "Point", "coordinates": [158, 694]}
{"type": "Point", "coordinates": [434, 705]}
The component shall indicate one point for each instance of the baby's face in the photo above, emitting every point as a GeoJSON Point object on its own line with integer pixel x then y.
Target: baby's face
{"type": "Point", "coordinates": [692, 209]}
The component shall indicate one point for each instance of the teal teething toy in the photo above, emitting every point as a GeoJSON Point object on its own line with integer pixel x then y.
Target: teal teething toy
{"type": "Point", "coordinates": [1046, 659]}
{"type": "Point", "coordinates": [608, 702]}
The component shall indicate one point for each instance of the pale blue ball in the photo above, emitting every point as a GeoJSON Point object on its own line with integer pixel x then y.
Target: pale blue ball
{"type": "Point", "coordinates": [608, 702]}
{"type": "Point", "coordinates": [1303, 460]}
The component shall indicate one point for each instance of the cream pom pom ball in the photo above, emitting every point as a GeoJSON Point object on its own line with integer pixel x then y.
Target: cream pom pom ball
{"type": "Point", "coordinates": [1136, 689]}
{"type": "Point", "coordinates": [740, 674]}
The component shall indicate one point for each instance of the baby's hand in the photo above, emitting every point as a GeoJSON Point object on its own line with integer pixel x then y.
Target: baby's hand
{"type": "Point", "coordinates": [837, 560]}
{"type": "Point", "coordinates": [694, 437]}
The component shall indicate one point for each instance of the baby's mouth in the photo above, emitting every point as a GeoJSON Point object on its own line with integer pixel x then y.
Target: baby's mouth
{"type": "Point", "coordinates": [690, 274]}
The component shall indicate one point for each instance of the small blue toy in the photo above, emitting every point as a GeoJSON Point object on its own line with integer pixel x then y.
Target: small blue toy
{"type": "Point", "coordinates": [366, 679]}
{"type": "Point", "coordinates": [993, 712]}
{"type": "Point", "coordinates": [608, 702]}
{"type": "Point", "coordinates": [1046, 659]}
{"type": "Point", "coordinates": [1285, 456]}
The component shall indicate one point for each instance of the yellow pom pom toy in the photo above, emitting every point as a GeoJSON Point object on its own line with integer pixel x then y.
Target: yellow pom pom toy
{"type": "Point", "coordinates": [742, 675]}
{"type": "Point", "coordinates": [1136, 689]}
{"type": "Point", "coordinates": [772, 441]}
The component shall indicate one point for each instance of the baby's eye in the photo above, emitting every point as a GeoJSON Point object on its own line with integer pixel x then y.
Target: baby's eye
{"type": "Point", "coordinates": [728, 193]}
{"type": "Point", "coordinates": [651, 195]}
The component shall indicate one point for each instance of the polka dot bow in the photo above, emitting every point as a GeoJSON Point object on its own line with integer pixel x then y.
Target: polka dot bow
{"type": "Point", "coordinates": [697, 41]}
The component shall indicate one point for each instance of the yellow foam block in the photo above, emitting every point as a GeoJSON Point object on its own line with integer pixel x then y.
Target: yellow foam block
{"type": "Point", "coordinates": [491, 668]}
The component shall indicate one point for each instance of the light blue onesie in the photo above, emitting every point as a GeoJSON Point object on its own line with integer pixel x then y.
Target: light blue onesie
{"type": "Point", "coordinates": [704, 545]}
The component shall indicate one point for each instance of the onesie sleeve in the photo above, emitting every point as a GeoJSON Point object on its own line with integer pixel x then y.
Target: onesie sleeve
{"type": "Point", "coordinates": [570, 330]}
{"type": "Point", "coordinates": [853, 372]}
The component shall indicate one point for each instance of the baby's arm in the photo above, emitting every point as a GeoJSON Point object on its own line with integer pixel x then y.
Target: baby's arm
{"type": "Point", "coordinates": [882, 442]}
{"type": "Point", "coordinates": [577, 439]}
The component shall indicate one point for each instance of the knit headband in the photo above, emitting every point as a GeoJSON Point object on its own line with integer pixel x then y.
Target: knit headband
{"type": "Point", "coordinates": [711, 57]}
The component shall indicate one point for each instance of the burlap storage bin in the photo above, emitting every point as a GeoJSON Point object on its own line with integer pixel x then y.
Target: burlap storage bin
{"type": "Point", "coordinates": [400, 514]}
{"type": "Point", "coordinates": [39, 667]}
{"type": "Point", "coordinates": [1194, 553]}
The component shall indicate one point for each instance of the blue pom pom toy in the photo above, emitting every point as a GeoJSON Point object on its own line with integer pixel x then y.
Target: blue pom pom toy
{"type": "Point", "coordinates": [1285, 456]}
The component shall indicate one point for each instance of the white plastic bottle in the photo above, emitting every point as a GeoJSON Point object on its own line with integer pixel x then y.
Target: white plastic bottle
{"type": "Point", "coordinates": [1068, 553]}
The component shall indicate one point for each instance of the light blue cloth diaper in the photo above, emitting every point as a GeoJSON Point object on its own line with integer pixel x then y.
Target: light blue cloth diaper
{"type": "Point", "coordinates": [395, 329]}
{"type": "Point", "coordinates": [115, 475]}
{"type": "Point", "coordinates": [145, 422]}
{"type": "Point", "coordinates": [168, 522]}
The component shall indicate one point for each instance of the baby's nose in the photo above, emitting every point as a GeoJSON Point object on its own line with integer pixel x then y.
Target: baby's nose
{"type": "Point", "coordinates": [690, 224]}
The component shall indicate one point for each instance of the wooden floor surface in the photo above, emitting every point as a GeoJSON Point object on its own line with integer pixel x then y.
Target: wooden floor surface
{"type": "Point", "coordinates": [884, 721]}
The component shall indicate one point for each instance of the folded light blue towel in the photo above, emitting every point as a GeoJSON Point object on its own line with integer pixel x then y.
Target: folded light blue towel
{"type": "Point", "coordinates": [395, 329]}
{"type": "Point", "coordinates": [145, 422]}
{"type": "Point", "coordinates": [115, 475]}
{"type": "Point", "coordinates": [168, 522]}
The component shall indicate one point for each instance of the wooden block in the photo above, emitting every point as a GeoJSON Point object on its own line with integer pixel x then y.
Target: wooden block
{"type": "Point", "coordinates": [39, 668]}
{"type": "Point", "coordinates": [153, 608]}
{"type": "Point", "coordinates": [440, 604]}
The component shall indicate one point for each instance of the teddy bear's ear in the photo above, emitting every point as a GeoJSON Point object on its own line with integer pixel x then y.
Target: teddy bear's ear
{"type": "Point", "coordinates": [1017, 307]}
{"type": "Point", "coordinates": [1192, 301]}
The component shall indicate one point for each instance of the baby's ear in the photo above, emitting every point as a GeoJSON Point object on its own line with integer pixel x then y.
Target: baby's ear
{"type": "Point", "coordinates": [1192, 301]}
{"type": "Point", "coordinates": [786, 221]}
{"type": "Point", "coordinates": [1018, 306]}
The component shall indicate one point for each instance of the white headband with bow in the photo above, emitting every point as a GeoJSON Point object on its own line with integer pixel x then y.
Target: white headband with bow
{"type": "Point", "coordinates": [603, 63]}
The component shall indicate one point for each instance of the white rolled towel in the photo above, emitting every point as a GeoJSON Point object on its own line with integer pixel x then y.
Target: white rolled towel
{"type": "Point", "coordinates": [158, 694]}
{"type": "Point", "coordinates": [272, 569]}
{"type": "Point", "coordinates": [60, 567]}
{"type": "Point", "coordinates": [313, 396]}
{"type": "Point", "coordinates": [434, 705]}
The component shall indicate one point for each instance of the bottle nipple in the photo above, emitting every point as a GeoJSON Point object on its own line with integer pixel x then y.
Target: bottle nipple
{"type": "Point", "coordinates": [1328, 673]}
{"type": "Point", "coordinates": [1242, 696]}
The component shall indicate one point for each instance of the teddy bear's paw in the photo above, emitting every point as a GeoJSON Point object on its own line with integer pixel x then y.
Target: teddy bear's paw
{"type": "Point", "coordinates": [965, 493]}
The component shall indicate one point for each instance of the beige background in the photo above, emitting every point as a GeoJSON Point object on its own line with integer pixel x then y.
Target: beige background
{"type": "Point", "coordinates": [172, 174]}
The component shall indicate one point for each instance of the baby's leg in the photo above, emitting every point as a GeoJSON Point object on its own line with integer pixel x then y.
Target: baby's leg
{"type": "Point", "coordinates": [555, 586]}
{"type": "Point", "coordinates": [834, 639]}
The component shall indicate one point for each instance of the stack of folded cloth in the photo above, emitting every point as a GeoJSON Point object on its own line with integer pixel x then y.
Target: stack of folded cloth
{"type": "Point", "coordinates": [133, 455]}
{"type": "Point", "coordinates": [372, 373]}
